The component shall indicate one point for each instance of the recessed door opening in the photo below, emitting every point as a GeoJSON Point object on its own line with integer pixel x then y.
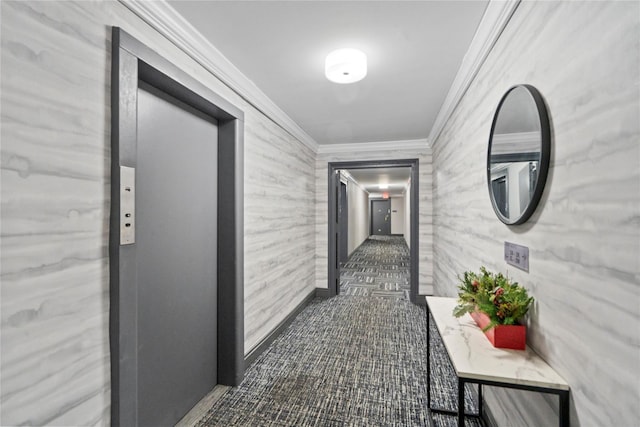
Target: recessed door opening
{"type": "Point", "coordinates": [381, 217]}
{"type": "Point", "coordinates": [176, 257]}
{"type": "Point", "coordinates": [373, 228]}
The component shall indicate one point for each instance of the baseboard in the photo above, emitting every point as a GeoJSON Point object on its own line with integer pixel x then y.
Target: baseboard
{"type": "Point", "coordinates": [322, 293]}
{"type": "Point", "coordinates": [202, 407]}
{"type": "Point", "coordinates": [266, 341]}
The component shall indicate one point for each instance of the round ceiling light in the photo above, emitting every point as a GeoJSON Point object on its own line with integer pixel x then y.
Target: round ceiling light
{"type": "Point", "coordinates": [345, 66]}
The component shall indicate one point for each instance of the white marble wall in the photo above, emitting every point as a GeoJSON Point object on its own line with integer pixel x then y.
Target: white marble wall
{"type": "Point", "coordinates": [55, 99]}
{"type": "Point", "coordinates": [425, 251]}
{"type": "Point", "coordinates": [397, 215]}
{"type": "Point", "coordinates": [358, 213]}
{"type": "Point", "coordinates": [584, 239]}
{"type": "Point", "coordinates": [279, 226]}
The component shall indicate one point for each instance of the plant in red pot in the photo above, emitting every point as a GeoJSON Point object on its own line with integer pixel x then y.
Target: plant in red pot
{"type": "Point", "coordinates": [497, 304]}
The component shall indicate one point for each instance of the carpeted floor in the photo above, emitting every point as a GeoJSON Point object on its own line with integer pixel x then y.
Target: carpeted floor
{"type": "Point", "coordinates": [379, 267]}
{"type": "Point", "coordinates": [358, 359]}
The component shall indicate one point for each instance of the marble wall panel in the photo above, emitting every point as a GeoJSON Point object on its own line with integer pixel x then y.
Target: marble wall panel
{"type": "Point", "coordinates": [397, 215]}
{"type": "Point", "coordinates": [425, 250]}
{"type": "Point", "coordinates": [358, 213]}
{"type": "Point", "coordinates": [279, 226]}
{"type": "Point", "coordinates": [584, 239]}
{"type": "Point", "coordinates": [55, 102]}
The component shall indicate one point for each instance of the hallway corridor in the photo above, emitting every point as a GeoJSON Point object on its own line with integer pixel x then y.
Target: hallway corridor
{"type": "Point", "coordinates": [380, 267]}
{"type": "Point", "coordinates": [344, 361]}
{"type": "Point", "coordinates": [357, 359]}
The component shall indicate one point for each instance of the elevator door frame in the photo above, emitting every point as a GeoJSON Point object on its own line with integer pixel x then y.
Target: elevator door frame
{"type": "Point", "coordinates": [133, 62]}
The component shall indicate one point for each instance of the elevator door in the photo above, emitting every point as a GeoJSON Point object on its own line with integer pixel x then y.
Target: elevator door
{"type": "Point", "coordinates": [176, 238]}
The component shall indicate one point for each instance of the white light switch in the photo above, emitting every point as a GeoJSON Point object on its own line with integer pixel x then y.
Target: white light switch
{"type": "Point", "coordinates": [127, 205]}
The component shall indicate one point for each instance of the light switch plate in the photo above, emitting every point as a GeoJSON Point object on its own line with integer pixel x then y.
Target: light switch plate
{"type": "Point", "coordinates": [517, 255]}
{"type": "Point", "coordinates": [127, 205]}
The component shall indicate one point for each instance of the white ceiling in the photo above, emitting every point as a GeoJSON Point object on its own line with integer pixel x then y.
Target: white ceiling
{"type": "Point", "coordinates": [370, 179]}
{"type": "Point", "coordinates": [414, 50]}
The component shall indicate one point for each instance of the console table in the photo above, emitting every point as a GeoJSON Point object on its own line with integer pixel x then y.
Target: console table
{"type": "Point", "coordinates": [476, 361]}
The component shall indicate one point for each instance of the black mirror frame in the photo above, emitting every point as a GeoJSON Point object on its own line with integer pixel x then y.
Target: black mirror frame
{"type": "Point", "coordinates": [545, 156]}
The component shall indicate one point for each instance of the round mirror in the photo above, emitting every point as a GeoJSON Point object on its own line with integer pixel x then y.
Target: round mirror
{"type": "Point", "coordinates": [519, 152]}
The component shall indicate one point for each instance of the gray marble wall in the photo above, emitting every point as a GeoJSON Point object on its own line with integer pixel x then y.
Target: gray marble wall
{"type": "Point", "coordinates": [584, 239]}
{"type": "Point", "coordinates": [55, 102]}
{"type": "Point", "coordinates": [279, 225]}
{"type": "Point", "coordinates": [425, 250]}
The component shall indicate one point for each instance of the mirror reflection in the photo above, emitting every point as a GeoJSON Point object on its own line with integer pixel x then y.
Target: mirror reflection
{"type": "Point", "coordinates": [515, 154]}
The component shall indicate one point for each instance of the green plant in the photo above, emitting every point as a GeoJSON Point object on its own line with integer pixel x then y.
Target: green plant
{"type": "Point", "coordinates": [502, 300]}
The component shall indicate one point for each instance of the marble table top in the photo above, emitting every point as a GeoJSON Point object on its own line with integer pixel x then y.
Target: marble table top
{"type": "Point", "coordinates": [474, 357]}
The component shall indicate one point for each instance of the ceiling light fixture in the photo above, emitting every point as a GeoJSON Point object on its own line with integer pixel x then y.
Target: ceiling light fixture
{"type": "Point", "coordinates": [383, 186]}
{"type": "Point", "coordinates": [345, 66]}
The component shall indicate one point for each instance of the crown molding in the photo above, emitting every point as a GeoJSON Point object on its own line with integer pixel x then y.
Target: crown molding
{"type": "Point", "coordinates": [168, 22]}
{"type": "Point", "coordinates": [361, 147]}
{"type": "Point", "coordinates": [495, 19]}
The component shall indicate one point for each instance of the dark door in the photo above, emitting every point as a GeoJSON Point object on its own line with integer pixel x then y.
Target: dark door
{"type": "Point", "coordinates": [381, 217]}
{"type": "Point", "coordinates": [499, 186]}
{"type": "Point", "coordinates": [176, 238]}
{"type": "Point", "coordinates": [343, 223]}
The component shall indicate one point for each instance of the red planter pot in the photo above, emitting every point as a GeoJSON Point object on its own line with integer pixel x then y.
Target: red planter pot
{"type": "Point", "coordinates": [502, 336]}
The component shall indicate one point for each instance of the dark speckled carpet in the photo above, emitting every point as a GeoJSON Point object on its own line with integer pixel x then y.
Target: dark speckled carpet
{"type": "Point", "coordinates": [351, 360]}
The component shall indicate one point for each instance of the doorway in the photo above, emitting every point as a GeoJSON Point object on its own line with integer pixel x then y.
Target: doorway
{"type": "Point", "coordinates": [334, 189]}
{"type": "Point", "coordinates": [381, 217]}
{"type": "Point", "coordinates": [176, 315]}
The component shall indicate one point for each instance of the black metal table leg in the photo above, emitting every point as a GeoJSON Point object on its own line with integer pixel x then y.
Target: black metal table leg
{"type": "Point", "coordinates": [564, 409]}
{"type": "Point", "coordinates": [461, 402]}
{"type": "Point", "coordinates": [480, 400]}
